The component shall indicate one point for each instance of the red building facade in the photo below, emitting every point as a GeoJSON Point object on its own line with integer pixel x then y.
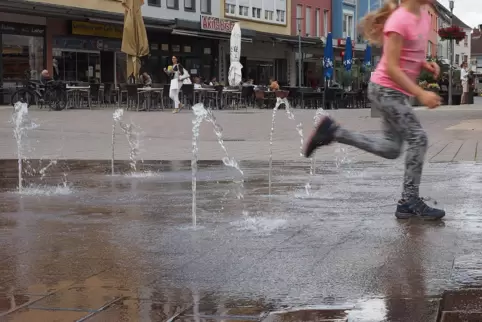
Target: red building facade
{"type": "Point", "coordinates": [313, 16]}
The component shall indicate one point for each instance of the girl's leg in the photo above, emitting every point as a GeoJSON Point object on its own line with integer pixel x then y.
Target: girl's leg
{"type": "Point", "coordinates": [400, 124]}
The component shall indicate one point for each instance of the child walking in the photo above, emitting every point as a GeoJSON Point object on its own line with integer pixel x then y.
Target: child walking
{"type": "Point", "coordinates": [403, 30]}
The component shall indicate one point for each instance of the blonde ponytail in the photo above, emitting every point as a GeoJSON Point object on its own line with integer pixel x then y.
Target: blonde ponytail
{"type": "Point", "coordinates": [371, 26]}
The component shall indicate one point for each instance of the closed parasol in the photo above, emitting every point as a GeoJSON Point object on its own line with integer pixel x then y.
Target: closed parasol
{"type": "Point", "coordinates": [134, 38]}
{"type": "Point", "coordinates": [235, 68]}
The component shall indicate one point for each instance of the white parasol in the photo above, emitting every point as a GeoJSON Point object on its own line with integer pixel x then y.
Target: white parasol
{"type": "Point", "coordinates": [234, 76]}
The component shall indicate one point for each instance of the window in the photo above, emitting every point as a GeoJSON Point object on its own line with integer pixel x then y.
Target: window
{"type": "Point", "coordinates": [457, 59]}
{"type": "Point", "coordinates": [205, 6]}
{"type": "Point", "coordinates": [229, 9]}
{"type": "Point", "coordinates": [268, 15]}
{"type": "Point", "coordinates": [280, 15]}
{"type": "Point", "coordinates": [256, 13]}
{"type": "Point", "coordinates": [466, 58]}
{"type": "Point", "coordinates": [347, 25]}
{"type": "Point", "coordinates": [155, 3]}
{"type": "Point", "coordinates": [318, 23]}
{"type": "Point", "coordinates": [22, 53]}
{"type": "Point", "coordinates": [466, 41]}
{"type": "Point", "coordinates": [325, 22]}
{"type": "Point", "coordinates": [429, 49]}
{"type": "Point", "coordinates": [308, 21]}
{"type": "Point", "coordinates": [173, 4]}
{"type": "Point", "coordinates": [190, 5]}
{"type": "Point", "coordinates": [243, 11]}
{"type": "Point", "coordinates": [299, 8]}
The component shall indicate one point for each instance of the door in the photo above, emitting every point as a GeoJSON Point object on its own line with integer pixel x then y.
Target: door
{"type": "Point", "coordinates": [120, 68]}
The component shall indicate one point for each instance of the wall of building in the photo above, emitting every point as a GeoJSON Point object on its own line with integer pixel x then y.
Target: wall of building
{"type": "Point", "coordinates": [263, 25]}
{"type": "Point", "coordinates": [102, 5]}
{"type": "Point", "coordinates": [433, 34]}
{"type": "Point", "coordinates": [163, 12]}
{"type": "Point", "coordinates": [324, 7]}
{"type": "Point", "coordinates": [339, 8]}
{"type": "Point", "coordinates": [463, 49]}
{"type": "Point", "coordinates": [55, 27]}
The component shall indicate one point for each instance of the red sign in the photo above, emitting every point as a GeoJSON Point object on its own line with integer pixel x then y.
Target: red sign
{"type": "Point", "coordinates": [216, 24]}
{"type": "Point", "coordinates": [342, 42]}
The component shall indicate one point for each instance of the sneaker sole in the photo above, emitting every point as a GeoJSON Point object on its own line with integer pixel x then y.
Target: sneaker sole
{"type": "Point", "coordinates": [309, 144]}
{"type": "Point", "coordinates": [403, 216]}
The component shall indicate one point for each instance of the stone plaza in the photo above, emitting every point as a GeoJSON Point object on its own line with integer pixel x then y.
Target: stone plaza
{"type": "Point", "coordinates": [82, 245]}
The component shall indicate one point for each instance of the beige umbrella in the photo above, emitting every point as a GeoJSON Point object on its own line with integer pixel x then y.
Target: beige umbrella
{"type": "Point", "coordinates": [134, 39]}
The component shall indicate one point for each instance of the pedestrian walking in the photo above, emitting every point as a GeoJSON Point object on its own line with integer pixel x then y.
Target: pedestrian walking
{"type": "Point", "coordinates": [403, 30]}
{"type": "Point", "coordinates": [178, 74]}
{"type": "Point", "coordinates": [464, 77]}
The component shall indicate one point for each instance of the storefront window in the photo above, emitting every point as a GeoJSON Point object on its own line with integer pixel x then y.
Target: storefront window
{"type": "Point", "coordinates": [78, 66]}
{"type": "Point", "coordinates": [22, 57]}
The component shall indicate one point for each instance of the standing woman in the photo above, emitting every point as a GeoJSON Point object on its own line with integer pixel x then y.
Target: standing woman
{"type": "Point", "coordinates": [464, 77]}
{"type": "Point", "coordinates": [177, 76]}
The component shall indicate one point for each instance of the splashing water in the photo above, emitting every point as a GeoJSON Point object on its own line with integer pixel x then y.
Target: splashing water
{"type": "Point", "coordinates": [22, 124]}
{"type": "Point", "coordinates": [316, 119]}
{"type": "Point", "coordinates": [132, 136]}
{"type": "Point", "coordinates": [116, 117]}
{"type": "Point", "coordinates": [61, 189]}
{"type": "Point", "coordinates": [202, 114]}
{"type": "Point", "coordinates": [43, 171]}
{"type": "Point", "coordinates": [299, 129]}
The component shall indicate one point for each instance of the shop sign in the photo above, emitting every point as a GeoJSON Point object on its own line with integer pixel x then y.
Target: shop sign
{"type": "Point", "coordinates": [96, 44]}
{"type": "Point", "coordinates": [342, 42]}
{"type": "Point", "coordinates": [20, 29]}
{"type": "Point", "coordinates": [210, 23]}
{"type": "Point", "coordinates": [97, 29]}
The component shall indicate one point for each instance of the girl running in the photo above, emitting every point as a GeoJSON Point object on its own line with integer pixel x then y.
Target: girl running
{"type": "Point", "coordinates": [403, 30]}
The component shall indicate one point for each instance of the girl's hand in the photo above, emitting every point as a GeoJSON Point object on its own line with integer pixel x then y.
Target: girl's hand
{"type": "Point", "coordinates": [429, 99]}
{"type": "Point", "coordinates": [432, 67]}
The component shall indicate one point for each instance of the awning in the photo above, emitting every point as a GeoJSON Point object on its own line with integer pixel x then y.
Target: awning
{"type": "Point", "coordinates": [150, 23]}
{"type": "Point", "coordinates": [291, 40]}
{"type": "Point", "coordinates": [209, 35]}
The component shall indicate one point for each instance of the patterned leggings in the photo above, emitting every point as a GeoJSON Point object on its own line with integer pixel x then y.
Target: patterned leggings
{"type": "Point", "coordinates": [399, 124]}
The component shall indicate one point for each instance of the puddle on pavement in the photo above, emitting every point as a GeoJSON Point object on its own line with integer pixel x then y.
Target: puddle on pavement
{"type": "Point", "coordinates": [128, 238]}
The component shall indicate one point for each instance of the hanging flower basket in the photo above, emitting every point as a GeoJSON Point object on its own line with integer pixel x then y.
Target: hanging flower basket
{"type": "Point", "coordinates": [452, 33]}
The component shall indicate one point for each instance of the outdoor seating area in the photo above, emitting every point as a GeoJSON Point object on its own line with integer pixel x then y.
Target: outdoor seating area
{"type": "Point", "coordinates": [136, 97]}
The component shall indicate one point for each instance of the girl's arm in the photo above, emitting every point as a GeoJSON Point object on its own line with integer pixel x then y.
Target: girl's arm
{"type": "Point", "coordinates": [432, 67]}
{"type": "Point", "coordinates": [394, 45]}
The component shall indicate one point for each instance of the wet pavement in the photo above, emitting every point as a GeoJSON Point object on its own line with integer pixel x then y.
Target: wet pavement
{"type": "Point", "coordinates": [81, 245]}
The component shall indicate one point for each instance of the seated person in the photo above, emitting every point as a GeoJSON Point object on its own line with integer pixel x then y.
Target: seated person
{"type": "Point", "coordinates": [45, 77]}
{"type": "Point", "coordinates": [146, 79]}
{"type": "Point", "coordinates": [273, 84]}
{"type": "Point", "coordinates": [197, 83]}
{"type": "Point", "coordinates": [213, 82]}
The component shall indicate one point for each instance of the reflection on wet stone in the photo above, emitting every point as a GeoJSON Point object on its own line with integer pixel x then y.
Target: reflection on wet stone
{"type": "Point", "coordinates": [126, 241]}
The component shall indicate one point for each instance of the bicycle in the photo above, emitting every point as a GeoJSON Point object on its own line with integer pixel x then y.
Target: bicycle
{"type": "Point", "coordinates": [52, 94]}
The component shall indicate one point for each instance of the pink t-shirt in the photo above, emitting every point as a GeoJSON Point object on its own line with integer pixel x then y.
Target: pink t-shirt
{"type": "Point", "coordinates": [415, 31]}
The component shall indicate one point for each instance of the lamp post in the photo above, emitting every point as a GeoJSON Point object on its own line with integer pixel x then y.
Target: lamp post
{"type": "Point", "coordinates": [451, 52]}
{"type": "Point", "coordinates": [298, 21]}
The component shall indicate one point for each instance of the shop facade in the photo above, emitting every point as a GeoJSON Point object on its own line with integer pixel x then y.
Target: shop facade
{"type": "Point", "coordinates": [23, 49]}
{"type": "Point", "coordinates": [198, 55]}
{"type": "Point", "coordinates": [261, 58]}
{"type": "Point", "coordinates": [88, 52]}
